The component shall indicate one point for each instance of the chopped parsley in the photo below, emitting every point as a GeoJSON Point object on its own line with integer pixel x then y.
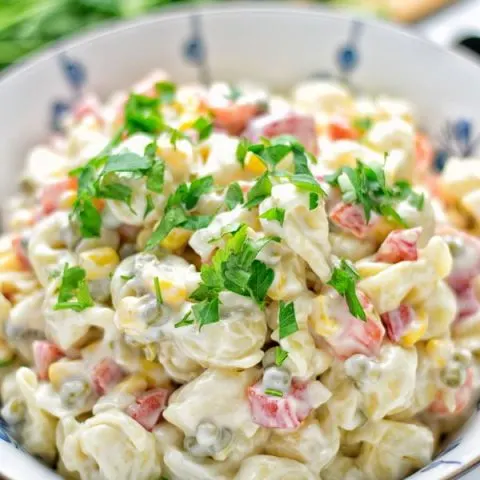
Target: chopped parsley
{"type": "Point", "coordinates": [207, 312]}
{"type": "Point", "coordinates": [287, 321]}
{"type": "Point", "coordinates": [185, 321]}
{"type": "Point", "coordinates": [234, 196]}
{"type": "Point", "coordinates": [271, 153]}
{"type": "Point", "coordinates": [73, 292]}
{"type": "Point", "coordinates": [166, 92]}
{"type": "Point", "coordinates": [204, 128]}
{"type": "Point", "coordinates": [366, 186]}
{"type": "Point", "coordinates": [149, 205]}
{"type": "Point", "coordinates": [158, 291]}
{"type": "Point", "coordinates": [127, 277]}
{"type": "Point", "coordinates": [275, 213]}
{"type": "Point", "coordinates": [260, 191]}
{"type": "Point", "coordinates": [235, 268]}
{"type": "Point", "coordinates": [95, 182]}
{"type": "Point", "coordinates": [280, 356]}
{"type": "Point", "coordinates": [344, 279]}
{"type": "Point", "coordinates": [362, 124]}
{"type": "Point", "coordinates": [273, 392]}
{"type": "Point", "coordinates": [176, 212]}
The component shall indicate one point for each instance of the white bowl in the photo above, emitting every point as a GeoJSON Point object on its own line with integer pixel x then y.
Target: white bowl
{"type": "Point", "coordinates": [274, 44]}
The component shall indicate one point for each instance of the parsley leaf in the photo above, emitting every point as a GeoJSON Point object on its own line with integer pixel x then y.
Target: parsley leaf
{"type": "Point", "coordinates": [185, 321]}
{"type": "Point", "coordinates": [149, 206]}
{"type": "Point", "coordinates": [313, 201]}
{"type": "Point", "coordinates": [259, 192]}
{"type": "Point", "coordinates": [156, 177]}
{"type": "Point", "coordinates": [280, 356]}
{"type": "Point", "coordinates": [207, 312]}
{"type": "Point", "coordinates": [173, 218]}
{"type": "Point", "coordinates": [275, 213]}
{"type": "Point", "coordinates": [343, 280]}
{"type": "Point", "coordinates": [242, 150]}
{"type": "Point", "coordinates": [142, 114]}
{"type": "Point", "coordinates": [87, 216]}
{"type": "Point", "coordinates": [260, 280]}
{"type": "Point", "coordinates": [234, 196]}
{"type": "Point", "coordinates": [166, 92]}
{"type": "Point", "coordinates": [115, 191]}
{"type": "Point", "coordinates": [73, 292]}
{"type": "Point", "coordinates": [363, 124]}
{"type": "Point", "coordinates": [287, 320]}
{"type": "Point", "coordinates": [196, 222]}
{"type": "Point", "coordinates": [127, 277]}
{"type": "Point", "coordinates": [158, 291]}
{"type": "Point", "coordinates": [204, 127]}
{"type": "Point", "coordinates": [197, 188]}
{"type": "Point", "coordinates": [127, 162]}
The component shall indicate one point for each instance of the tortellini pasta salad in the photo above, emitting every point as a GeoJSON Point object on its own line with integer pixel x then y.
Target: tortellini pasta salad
{"type": "Point", "coordinates": [221, 283]}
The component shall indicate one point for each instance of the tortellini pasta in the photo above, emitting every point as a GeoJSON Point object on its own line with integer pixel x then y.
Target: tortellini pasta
{"type": "Point", "coordinates": [82, 447]}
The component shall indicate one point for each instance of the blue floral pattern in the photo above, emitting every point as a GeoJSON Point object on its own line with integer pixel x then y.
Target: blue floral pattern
{"type": "Point", "coordinates": [5, 435]}
{"type": "Point", "coordinates": [456, 139]}
{"type": "Point", "coordinates": [195, 50]}
{"type": "Point", "coordinates": [76, 76]}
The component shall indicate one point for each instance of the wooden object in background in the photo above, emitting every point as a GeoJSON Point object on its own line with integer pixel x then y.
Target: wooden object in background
{"type": "Point", "coordinates": [412, 10]}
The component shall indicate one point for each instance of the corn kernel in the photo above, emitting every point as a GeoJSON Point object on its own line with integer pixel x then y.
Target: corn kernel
{"type": "Point", "coordinates": [176, 239]}
{"type": "Point", "coordinates": [153, 372]}
{"type": "Point", "coordinates": [61, 371]}
{"type": "Point", "coordinates": [416, 331]}
{"type": "Point", "coordinates": [10, 263]}
{"type": "Point", "coordinates": [67, 200]}
{"type": "Point", "coordinates": [437, 350]}
{"type": "Point", "coordinates": [253, 164]}
{"type": "Point", "coordinates": [99, 262]}
{"type": "Point", "coordinates": [132, 384]}
{"type": "Point", "coordinates": [172, 294]}
{"type": "Point", "coordinates": [322, 323]}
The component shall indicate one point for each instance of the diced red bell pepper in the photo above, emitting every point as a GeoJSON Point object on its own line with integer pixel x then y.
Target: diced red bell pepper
{"type": "Point", "coordinates": [399, 246]}
{"type": "Point", "coordinates": [463, 397]}
{"type": "Point", "coordinates": [105, 375]}
{"type": "Point", "coordinates": [353, 335]}
{"type": "Point", "coordinates": [21, 251]}
{"type": "Point", "coordinates": [51, 194]}
{"type": "Point", "coordinates": [350, 218]}
{"type": "Point", "coordinates": [397, 321]}
{"type": "Point", "coordinates": [340, 129]}
{"type": "Point", "coordinates": [148, 407]}
{"type": "Point", "coordinates": [424, 153]}
{"type": "Point", "coordinates": [300, 126]}
{"type": "Point", "coordinates": [44, 354]}
{"type": "Point", "coordinates": [288, 411]}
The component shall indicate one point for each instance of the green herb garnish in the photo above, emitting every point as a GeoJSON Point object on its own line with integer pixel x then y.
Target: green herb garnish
{"type": "Point", "coordinates": [275, 213]}
{"type": "Point", "coordinates": [280, 356]}
{"type": "Point", "coordinates": [204, 128]}
{"type": "Point", "coordinates": [366, 186]}
{"type": "Point", "coordinates": [186, 320]}
{"type": "Point", "coordinates": [287, 320]}
{"type": "Point", "coordinates": [273, 392]}
{"type": "Point", "coordinates": [166, 92]}
{"type": "Point", "coordinates": [158, 291]}
{"type": "Point", "coordinates": [344, 279]}
{"type": "Point", "coordinates": [234, 196]}
{"type": "Point", "coordinates": [207, 312]}
{"type": "Point", "coordinates": [73, 292]}
{"type": "Point", "coordinates": [127, 277]}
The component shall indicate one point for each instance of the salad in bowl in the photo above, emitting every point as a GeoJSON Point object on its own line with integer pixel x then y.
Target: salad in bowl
{"type": "Point", "coordinates": [223, 283]}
